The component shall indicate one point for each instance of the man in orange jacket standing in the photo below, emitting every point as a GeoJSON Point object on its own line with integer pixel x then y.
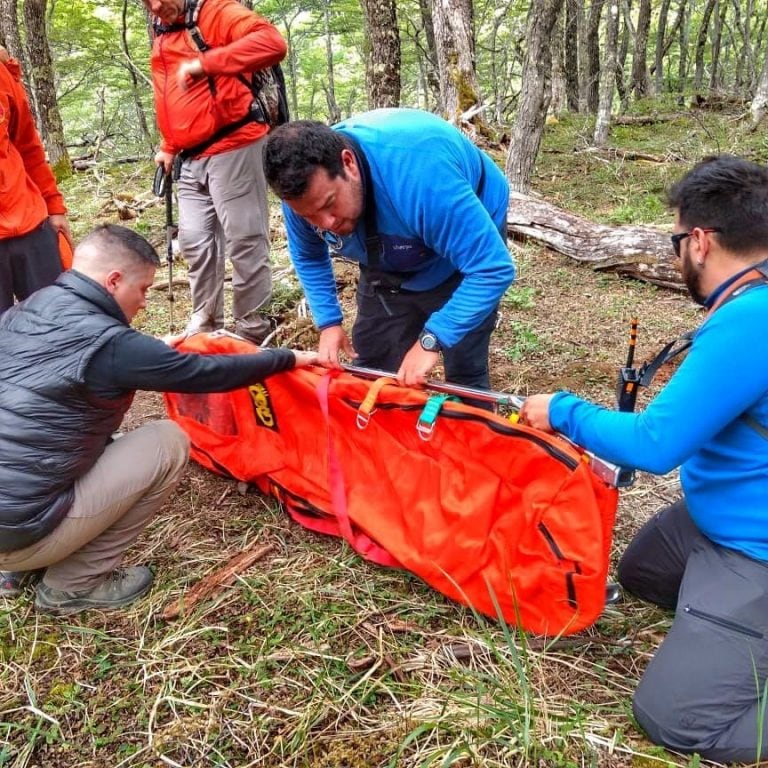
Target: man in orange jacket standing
{"type": "Point", "coordinates": [32, 210]}
{"type": "Point", "coordinates": [203, 55]}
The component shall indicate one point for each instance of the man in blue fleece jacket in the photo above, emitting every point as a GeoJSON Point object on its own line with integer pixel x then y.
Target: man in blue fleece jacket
{"type": "Point", "coordinates": [706, 556]}
{"type": "Point", "coordinates": [423, 211]}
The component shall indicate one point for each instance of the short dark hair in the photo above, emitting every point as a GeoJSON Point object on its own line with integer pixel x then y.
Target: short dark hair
{"type": "Point", "coordinates": [294, 151]}
{"type": "Point", "coordinates": [729, 194]}
{"type": "Point", "coordinates": [123, 243]}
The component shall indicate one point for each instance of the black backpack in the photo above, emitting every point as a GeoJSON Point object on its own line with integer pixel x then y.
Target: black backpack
{"type": "Point", "coordinates": [270, 98]}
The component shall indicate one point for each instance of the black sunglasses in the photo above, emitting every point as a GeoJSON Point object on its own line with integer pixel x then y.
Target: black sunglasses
{"type": "Point", "coordinates": [680, 236]}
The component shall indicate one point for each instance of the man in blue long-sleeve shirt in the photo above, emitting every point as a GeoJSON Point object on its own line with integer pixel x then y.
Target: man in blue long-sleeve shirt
{"type": "Point", "coordinates": [71, 499]}
{"type": "Point", "coordinates": [705, 556]}
{"type": "Point", "coordinates": [423, 211]}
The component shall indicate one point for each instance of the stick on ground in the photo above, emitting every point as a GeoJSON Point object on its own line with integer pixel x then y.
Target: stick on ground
{"type": "Point", "coordinates": [213, 582]}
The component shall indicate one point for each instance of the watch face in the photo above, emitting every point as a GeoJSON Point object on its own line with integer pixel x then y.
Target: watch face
{"type": "Point", "coordinates": [429, 341]}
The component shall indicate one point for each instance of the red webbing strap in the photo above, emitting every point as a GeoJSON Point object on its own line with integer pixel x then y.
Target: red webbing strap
{"type": "Point", "coordinates": [361, 543]}
{"type": "Point", "coordinates": [327, 526]}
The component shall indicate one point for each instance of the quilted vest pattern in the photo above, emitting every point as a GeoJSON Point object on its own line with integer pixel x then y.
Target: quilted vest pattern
{"type": "Point", "coordinates": [52, 429]}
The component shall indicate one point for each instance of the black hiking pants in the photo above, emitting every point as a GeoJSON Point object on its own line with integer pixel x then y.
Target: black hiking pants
{"type": "Point", "coordinates": [702, 690]}
{"type": "Point", "coordinates": [27, 263]}
{"type": "Point", "coordinates": [389, 322]}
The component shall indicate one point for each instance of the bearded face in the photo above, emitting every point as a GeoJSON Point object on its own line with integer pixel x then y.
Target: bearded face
{"type": "Point", "coordinates": [691, 273]}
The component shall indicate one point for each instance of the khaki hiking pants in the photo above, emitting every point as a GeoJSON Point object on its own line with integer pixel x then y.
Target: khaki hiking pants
{"type": "Point", "coordinates": [114, 501]}
{"type": "Point", "coordinates": [224, 198]}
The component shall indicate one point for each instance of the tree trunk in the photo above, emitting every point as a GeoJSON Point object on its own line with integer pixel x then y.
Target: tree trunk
{"type": "Point", "coordinates": [660, 34]}
{"type": "Point", "coordinates": [51, 128]}
{"type": "Point", "coordinates": [760, 100]}
{"type": "Point", "coordinates": [499, 81]}
{"type": "Point", "coordinates": [627, 32]}
{"type": "Point", "coordinates": [640, 252]}
{"type": "Point", "coordinates": [571, 54]}
{"type": "Point", "coordinates": [641, 81]}
{"type": "Point", "coordinates": [432, 67]}
{"type": "Point", "coordinates": [292, 65]}
{"type": "Point", "coordinates": [558, 102]}
{"type": "Point", "coordinates": [607, 76]}
{"type": "Point", "coordinates": [670, 38]}
{"type": "Point", "coordinates": [701, 44]}
{"type": "Point", "coordinates": [717, 39]}
{"type": "Point", "coordinates": [334, 113]}
{"type": "Point", "coordinates": [134, 73]}
{"type": "Point", "coordinates": [382, 61]}
{"type": "Point", "coordinates": [593, 55]}
{"type": "Point", "coordinates": [11, 39]}
{"type": "Point", "coordinates": [682, 68]}
{"type": "Point", "coordinates": [583, 57]}
{"type": "Point", "coordinates": [745, 63]}
{"type": "Point", "coordinates": [535, 94]}
{"type": "Point", "coordinates": [9, 30]}
{"type": "Point", "coordinates": [759, 38]}
{"type": "Point", "coordinates": [459, 89]}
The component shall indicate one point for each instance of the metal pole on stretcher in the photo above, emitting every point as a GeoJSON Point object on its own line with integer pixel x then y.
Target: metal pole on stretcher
{"type": "Point", "coordinates": [611, 474]}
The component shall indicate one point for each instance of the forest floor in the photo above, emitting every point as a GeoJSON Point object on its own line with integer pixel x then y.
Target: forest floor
{"type": "Point", "coordinates": [314, 657]}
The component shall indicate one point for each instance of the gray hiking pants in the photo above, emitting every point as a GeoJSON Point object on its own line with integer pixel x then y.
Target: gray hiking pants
{"type": "Point", "coordinates": [702, 690]}
{"type": "Point", "coordinates": [224, 197]}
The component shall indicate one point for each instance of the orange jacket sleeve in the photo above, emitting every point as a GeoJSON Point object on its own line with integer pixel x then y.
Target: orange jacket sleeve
{"type": "Point", "coordinates": [252, 42]}
{"type": "Point", "coordinates": [25, 138]}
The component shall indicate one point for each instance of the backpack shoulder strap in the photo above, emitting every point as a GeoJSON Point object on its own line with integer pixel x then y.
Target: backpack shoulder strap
{"type": "Point", "coordinates": [669, 352]}
{"type": "Point", "coordinates": [191, 15]}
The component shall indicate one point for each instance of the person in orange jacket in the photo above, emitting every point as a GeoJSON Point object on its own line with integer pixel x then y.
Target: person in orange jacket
{"type": "Point", "coordinates": [32, 211]}
{"type": "Point", "coordinates": [203, 105]}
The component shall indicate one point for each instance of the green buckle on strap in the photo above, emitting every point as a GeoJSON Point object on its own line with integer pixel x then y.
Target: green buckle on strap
{"type": "Point", "coordinates": [425, 426]}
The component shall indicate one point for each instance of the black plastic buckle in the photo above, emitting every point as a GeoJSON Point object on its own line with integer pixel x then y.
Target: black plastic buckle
{"type": "Point", "coordinates": [626, 389]}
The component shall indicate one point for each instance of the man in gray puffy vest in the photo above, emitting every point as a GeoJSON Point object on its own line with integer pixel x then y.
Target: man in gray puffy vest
{"type": "Point", "coordinates": [72, 499]}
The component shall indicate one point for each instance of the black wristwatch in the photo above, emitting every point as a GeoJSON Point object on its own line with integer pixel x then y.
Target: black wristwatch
{"type": "Point", "coordinates": [429, 341]}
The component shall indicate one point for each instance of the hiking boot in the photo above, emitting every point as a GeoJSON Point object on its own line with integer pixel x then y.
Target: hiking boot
{"type": "Point", "coordinates": [12, 583]}
{"type": "Point", "coordinates": [122, 586]}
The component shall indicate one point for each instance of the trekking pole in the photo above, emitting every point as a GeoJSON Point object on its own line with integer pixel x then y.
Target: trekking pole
{"type": "Point", "coordinates": [608, 472]}
{"type": "Point", "coordinates": [162, 186]}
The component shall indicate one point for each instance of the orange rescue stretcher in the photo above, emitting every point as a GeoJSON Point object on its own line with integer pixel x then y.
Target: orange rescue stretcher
{"type": "Point", "coordinates": [509, 520]}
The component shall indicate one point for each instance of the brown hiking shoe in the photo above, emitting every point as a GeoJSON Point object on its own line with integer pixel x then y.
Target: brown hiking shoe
{"type": "Point", "coordinates": [122, 586]}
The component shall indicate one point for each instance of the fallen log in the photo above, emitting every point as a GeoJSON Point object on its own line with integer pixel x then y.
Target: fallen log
{"type": "Point", "coordinates": [613, 153]}
{"type": "Point", "coordinates": [648, 119]}
{"type": "Point", "coordinates": [213, 583]}
{"type": "Point", "coordinates": [642, 252]}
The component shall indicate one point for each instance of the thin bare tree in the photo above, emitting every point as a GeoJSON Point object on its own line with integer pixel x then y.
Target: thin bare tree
{"type": "Point", "coordinates": [334, 112]}
{"type": "Point", "coordinates": [760, 99]}
{"type": "Point", "coordinates": [535, 94]}
{"type": "Point", "coordinates": [136, 76]}
{"type": "Point", "coordinates": [592, 56]}
{"type": "Point", "coordinates": [571, 54]}
{"type": "Point", "coordinates": [701, 44]}
{"type": "Point", "coordinates": [607, 76]}
{"type": "Point", "coordinates": [641, 81]}
{"type": "Point", "coordinates": [717, 40]}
